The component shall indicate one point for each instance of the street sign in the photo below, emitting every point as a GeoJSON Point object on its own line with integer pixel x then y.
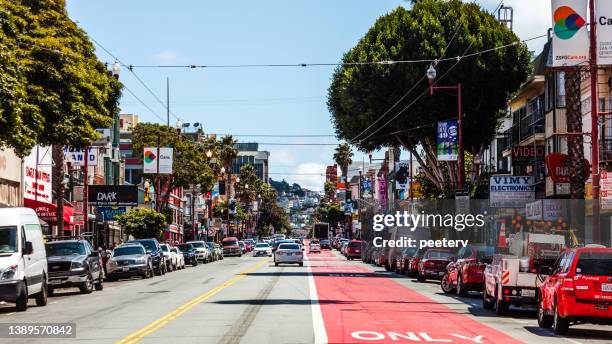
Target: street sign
{"type": "Point", "coordinates": [447, 141]}
{"type": "Point", "coordinates": [605, 182]}
{"type": "Point", "coordinates": [76, 156]}
{"type": "Point", "coordinates": [110, 213]}
{"type": "Point", "coordinates": [151, 160]}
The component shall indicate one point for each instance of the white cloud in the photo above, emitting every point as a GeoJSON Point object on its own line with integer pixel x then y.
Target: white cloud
{"type": "Point", "coordinates": [166, 56]}
{"type": "Point", "coordinates": [282, 157]}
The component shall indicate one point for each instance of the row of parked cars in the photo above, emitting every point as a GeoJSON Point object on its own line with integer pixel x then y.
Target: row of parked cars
{"type": "Point", "coordinates": [576, 289]}
{"type": "Point", "coordinates": [33, 267]}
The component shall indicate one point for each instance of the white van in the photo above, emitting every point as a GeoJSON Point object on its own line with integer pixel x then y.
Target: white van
{"type": "Point", "coordinates": [23, 260]}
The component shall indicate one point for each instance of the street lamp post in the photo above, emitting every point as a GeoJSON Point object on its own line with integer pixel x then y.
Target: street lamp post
{"type": "Point", "coordinates": [431, 75]}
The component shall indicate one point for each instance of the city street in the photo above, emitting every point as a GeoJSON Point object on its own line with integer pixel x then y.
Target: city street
{"type": "Point", "coordinates": [249, 300]}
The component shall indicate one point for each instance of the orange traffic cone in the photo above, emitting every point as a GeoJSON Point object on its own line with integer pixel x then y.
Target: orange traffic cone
{"type": "Point", "coordinates": [501, 242]}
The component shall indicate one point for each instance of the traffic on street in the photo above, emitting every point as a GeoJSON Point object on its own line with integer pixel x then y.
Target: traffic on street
{"type": "Point", "coordinates": [399, 171]}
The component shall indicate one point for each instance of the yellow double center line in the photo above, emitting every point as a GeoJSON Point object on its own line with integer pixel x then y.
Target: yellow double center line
{"type": "Point", "coordinates": [163, 321]}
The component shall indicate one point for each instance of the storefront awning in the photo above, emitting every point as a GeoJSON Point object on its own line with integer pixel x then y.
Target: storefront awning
{"type": "Point", "coordinates": [48, 212]}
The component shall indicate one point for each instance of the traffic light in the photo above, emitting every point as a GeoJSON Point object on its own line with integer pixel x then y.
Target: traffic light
{"type": "Point", "coordinates": [349, 197]}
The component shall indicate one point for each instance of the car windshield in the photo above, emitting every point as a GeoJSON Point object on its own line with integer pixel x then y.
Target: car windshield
{"type": "Point", "coordinates": [148, 244]}
{"type": "Point", "coordinates": [289, 247]}
{"type": "Point", "coordinates": [438, 254]}
{"type": "Point", "coordinates": [230, 243]}
{"type": "Point", "coordinates": [8, 239]}
{"type": "Point", "coordinates": [325, 242]}
{"type": "Point", "coordinates": [65, 249]}
{"type": "Point", "coordinates": [128, 250]}
{"type": "Point", "coordinates": [186, 247]}
{"type": "Point", "coordinates": [164, 248]}
{"type": "Point", "coordinates": [262, 246]}
{"type": "Point", "coordinates": [197, 244]}
{"type": "Point", "coordinates": [240, 243]}
{"type": "Point", "coordinates": [595, 263]}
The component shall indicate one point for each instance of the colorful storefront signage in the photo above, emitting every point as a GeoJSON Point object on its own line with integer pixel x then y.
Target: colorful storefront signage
{"type": "Point", "coordinates": [511, 191]}
{"type": "Point", "coordinates": [570, 40]}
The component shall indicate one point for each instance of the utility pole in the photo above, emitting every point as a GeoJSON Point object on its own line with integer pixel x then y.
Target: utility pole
{"type": "Point", "coordinates": [594, 122]}
{"type": "Point", "coordinates": [168, 101]}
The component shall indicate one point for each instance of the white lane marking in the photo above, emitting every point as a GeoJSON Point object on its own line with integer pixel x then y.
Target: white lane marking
{"type": "Point", "coordinates": [571, 340]}
{"type": "Point", "coordinates": [318, 326]}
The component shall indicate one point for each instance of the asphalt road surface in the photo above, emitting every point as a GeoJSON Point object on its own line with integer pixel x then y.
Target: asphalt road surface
{"type": "Point", "coordinates": [249, 300]}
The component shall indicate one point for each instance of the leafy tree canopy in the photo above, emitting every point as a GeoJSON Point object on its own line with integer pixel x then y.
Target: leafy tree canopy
{"type": "Point", "coordinates": [431, 29]}
{"type": "Point", "coordinates": [53, 89]}
{"type": "Point", "coordinates": [142, 223]}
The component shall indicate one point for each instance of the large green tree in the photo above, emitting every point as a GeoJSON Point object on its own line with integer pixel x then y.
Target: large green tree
{"type": "Point", "coordinates": [53, 89]}
{"type": "Point", "coordinates": [142, 223]}
{"type": "Point", "coordinates": [359, 95]}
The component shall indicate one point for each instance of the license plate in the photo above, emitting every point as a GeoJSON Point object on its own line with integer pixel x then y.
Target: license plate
{"type": "Point", "coordinates": [55, 282]}
{"type": "Point", "coordinates": [607, 287]}
{"type": "Point", "coordinates": [126, 268]}
{"type": "Point", "coordinates": [601, 307]}
{"type": "Point", "coordinates": [528, 293]}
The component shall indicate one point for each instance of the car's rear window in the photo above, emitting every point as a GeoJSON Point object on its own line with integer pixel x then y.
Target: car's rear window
{"type": "Point", "coordinates": [434, 254]}
{"type": "Point", "coordinates": [354, 244]}
{"type": "Point", "coordinates": [289, 247]}
{"type": "Point", "coordinates": [595, 263]}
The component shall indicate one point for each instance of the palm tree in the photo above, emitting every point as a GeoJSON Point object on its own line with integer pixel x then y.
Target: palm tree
{"type": "Point", "coordinates": [343, 157]}
{"type": "Point", "coordinates": [227, 154]}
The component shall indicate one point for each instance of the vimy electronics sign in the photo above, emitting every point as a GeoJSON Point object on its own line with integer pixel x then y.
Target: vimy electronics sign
{"type": "Point", "coordinates": [511, 191]}
{"type": "Point", "coordinates": [113, 195]}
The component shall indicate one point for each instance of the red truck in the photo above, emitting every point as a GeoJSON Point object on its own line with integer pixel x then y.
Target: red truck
{"type": "Point", "coordinates": [466, 273]}
{"type": "Point", "coordinates": [578, 290]}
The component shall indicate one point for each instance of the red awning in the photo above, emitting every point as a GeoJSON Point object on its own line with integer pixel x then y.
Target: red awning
{"type": "Point", "coordinates": [48, 211]}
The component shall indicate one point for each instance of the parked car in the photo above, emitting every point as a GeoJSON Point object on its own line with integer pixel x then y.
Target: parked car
{"type": "Point", "coordinates": [353, 249]}
{"type": "Point", "coordinates": [219, 250]}
{"type": "Point", "coordinates": [395, 254]}
{"type": "Point", "coordinates": [231, 247]}
{"type": "Point", "coordinates": [249, 244]}
{"type": "Point", "coordinates": [342, 243]}
{"type": "Point", "coordinates": [242, 246]}
{"type": "Point", "coordinates": [290, 253]}
{"type": "Point", "coordinates": [578, 290]}
{"type": "Point", "coordinates": [381, 256]}
{"type": "Point", "coordinates": [180, 259]}
{"type": "Point", "coordinates": [467, 272]}
{"type": "Point", "coordinates": [73, 264]}
{"type": "Point", "coordinates": [154, 250]}
{"type": "Point", "coordinates": [433, 264]}
{"type": "Point", "coordinates": [343, 247]}
{"type": "Point", "coordinates": [325, 244]}
{"type": "Point", "coordinates": [22, 258]}
{"type": "Point", "coordinates": [129, 260]}
{"type": "Point", "coordinates": [189, 254]}
{"type": "Point", "coordinates": [413, 265]}
{"type": "Point", "coordinates": [262, 249]}
{"type": "Point", "coordinates": [403, 264]}
{"type": "Point", "coordinates": [168, 256]}
{"type": "Point", "coordinates": [201, 250]}
{"type": "Point", "coordinates": [214, 256]}
{"type": "Point", "coordinates": [314, 247]}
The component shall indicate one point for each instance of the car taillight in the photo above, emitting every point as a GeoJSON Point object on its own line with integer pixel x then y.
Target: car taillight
{"type": "Point", "coordinates": [567, 286]}
{"type": "Point", "coordinates": [298, 253]}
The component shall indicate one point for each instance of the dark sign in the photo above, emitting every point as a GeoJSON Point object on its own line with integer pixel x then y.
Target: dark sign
{"type": "Point", "coordinates": [524, 154]}
{"type": "Point", "coordinates": [559, 168]}
{"type": "Point", "coordinates": [113, 195]}
{"type": "Point", "coordinates": [110, 213]}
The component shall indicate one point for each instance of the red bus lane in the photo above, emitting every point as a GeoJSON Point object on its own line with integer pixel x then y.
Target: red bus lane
{"type": "Point", "coordinates": [360, 306]}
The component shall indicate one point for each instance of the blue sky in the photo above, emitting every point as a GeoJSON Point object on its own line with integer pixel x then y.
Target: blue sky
{"type": "Point", "coordinates": [239, 101]}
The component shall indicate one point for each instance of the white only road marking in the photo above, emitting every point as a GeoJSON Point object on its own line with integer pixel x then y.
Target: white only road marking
{"type": "Point", "coordinates": [320, 335]}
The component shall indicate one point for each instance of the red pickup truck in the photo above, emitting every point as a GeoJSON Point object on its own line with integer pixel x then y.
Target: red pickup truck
{"type": "Point", "coordinates": [467, 272]}
{"type": "Point", "coordinates": [579, 290]}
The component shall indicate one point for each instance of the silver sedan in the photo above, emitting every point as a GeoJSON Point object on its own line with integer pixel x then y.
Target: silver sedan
{"type": "Point", "coordinates": [290, 254]}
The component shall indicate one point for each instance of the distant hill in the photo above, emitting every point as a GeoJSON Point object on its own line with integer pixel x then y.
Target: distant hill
{"type": "Point", "coordinates": [283, 186]}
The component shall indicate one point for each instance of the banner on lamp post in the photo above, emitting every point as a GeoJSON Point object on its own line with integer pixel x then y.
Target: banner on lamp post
{"type": "Point", "coordinates": [151, 160]}
{"type": "Point", "coordinates": [570, 41]}
{"type": "Point", "coordinates": [402, 174]}
{"type": "Point", "coordinates": [447, 144]}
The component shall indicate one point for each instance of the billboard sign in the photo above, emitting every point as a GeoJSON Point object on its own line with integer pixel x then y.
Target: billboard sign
{"type": "Point", "coordinates": [153, 158]}
{"type": "Point", "coordinates": [37, 175]}
{"type": "Point", "coordinates": [603, 15]}
{"type": "Point", "coordinates": [447, 148]}
{"type": "Point", "coordinates": [511, 191]}
{"type": "Point", "coordinates": [113, 195]}
{"type": "Point", "coordinates": [76, 156]}
{"type": "Point", "coordinates": [570, 41]}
